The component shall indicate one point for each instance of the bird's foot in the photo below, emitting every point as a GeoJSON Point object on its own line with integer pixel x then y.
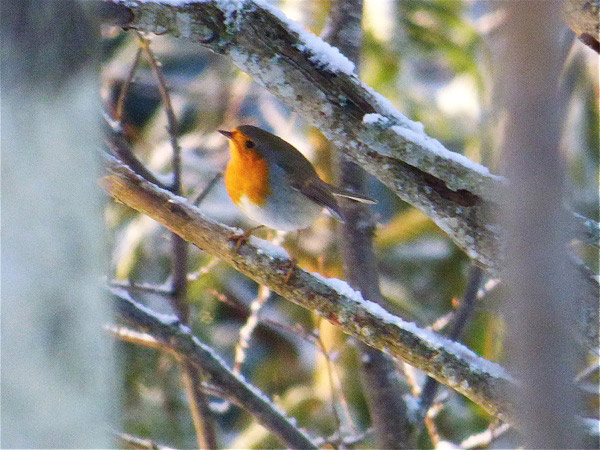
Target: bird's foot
{"type": "Point", "coordinates": [241, 238]}
{"type": "Point", "coordinates": [289, 267]}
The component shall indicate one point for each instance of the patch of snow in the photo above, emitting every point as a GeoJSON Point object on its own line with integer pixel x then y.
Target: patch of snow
{"type": "Point", "coordinates": [446, 445]}
{"type": "Point", "coordinates": [372, 118]}
{"type": "Point", "coordinates": [267, 248]}
{"type": "Point", "coordinates": [431, 338]}
{"type": "Point", "coordinates": [323, 54]}
{"type": "Point", "coordinates": [326, 56]}
{"type": "Point", "coordinates": [390, 110]}
{"type": "Point", "coordinates": [341, 287]}
{"type": "Point", "coordinates": [167, 319]}
{"type": "Point", "coordinates": [185, 203]}
{"type": "Point", "coordinates": [230, 9]}
{"type": "Point", "coordinates": [435, 147]}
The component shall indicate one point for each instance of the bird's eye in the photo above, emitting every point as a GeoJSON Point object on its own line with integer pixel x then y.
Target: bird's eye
{"type": "Point", "coordinates": [249, 144]}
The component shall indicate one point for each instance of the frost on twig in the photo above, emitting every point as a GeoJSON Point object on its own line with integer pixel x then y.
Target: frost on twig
{"type": "Point", "coordinates": [318, 82]}
{"type": "Point", "coordinates": [448, 362]}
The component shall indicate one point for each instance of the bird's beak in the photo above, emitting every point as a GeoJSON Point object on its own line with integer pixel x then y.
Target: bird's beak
{"type": "Point", "coordinates": [227, 134]}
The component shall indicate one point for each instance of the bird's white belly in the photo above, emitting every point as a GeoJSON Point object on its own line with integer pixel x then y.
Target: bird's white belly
{"type": "Point", "coordinates": [285, 210]}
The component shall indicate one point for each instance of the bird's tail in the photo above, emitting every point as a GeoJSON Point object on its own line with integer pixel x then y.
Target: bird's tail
{"type": "Point", "coordinates": [351, 195]}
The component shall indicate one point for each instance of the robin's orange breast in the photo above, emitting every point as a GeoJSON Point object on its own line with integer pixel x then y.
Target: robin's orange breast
{"type": "Point", "coordinates": [247, 175]}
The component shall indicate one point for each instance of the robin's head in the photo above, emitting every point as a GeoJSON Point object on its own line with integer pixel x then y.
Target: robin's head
{"type": "Point", "coordinates": [248, 138]}
{"type": "Point", "coordinates": [239, 141]}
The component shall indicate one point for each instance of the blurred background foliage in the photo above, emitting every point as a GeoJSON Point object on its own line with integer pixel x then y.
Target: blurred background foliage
{"type": "Point", "coordinates": [434, 60]}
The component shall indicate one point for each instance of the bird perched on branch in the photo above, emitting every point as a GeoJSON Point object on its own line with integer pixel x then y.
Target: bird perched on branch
{"type": "Point", "coordinates": [275, 185]}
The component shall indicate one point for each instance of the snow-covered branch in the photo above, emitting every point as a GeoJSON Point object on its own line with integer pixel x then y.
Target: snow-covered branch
{"type": "Point", "coordinates": [448, 362]}
{"type": "Point", "coordinates": [175, 336]}
{"type": "Point", "coordinates": [319, 83]}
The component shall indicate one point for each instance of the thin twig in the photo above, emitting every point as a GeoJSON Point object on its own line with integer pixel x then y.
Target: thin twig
{"type": "Point", "coordinates": [410, 375]}
{"type": "Point", "coordinates": [179, 278]}
{"type": "Point", "coordinates": [193, 276]}
{"type": "Point", "coordinates": [442, 322]}
{"type": "Point", "coordinates": [119, 144]}
{"type": "Point", "coordinates": [125, 86]}
{"type": "Point", "coordinates": [204, 193]}
{"type": "Point", "coordinates": [348, 441]}
{"type": "Point", "coordinates": [179, 250]}
{"type": "Point", "coordinates": [490, 286]}
{"type": "Point", "coordinates": [135, 337]}
{"type": "Point", "coordinates": [192, 378]}
{"type": "Point", "coordinates": [588, 371]}
{"type": "Point", "coordinates": [462, 316]}
{"type": "Point", "coordinates": [158, 289]}
{"type": "Point", "coordinates": [332, 388]}
{"type": "Point", "coordinates": [171, 119]}
{"type": "Point", "coordinates": [132, 441]}
{"type": "Point", "coordinates": [486, 437]}
{"type": "Point", "coordinates": [297, 331]}
{"type": "Point", "coordinates": [199, 406]}
{"type": "Point", "coordinates": [251, 322]}
{"type": "Point", "coordinates": [337, 396]}
{"type": "Point", "coordinates": [432, 430]}
{"type": "Point", "coordinates": [246, 331]}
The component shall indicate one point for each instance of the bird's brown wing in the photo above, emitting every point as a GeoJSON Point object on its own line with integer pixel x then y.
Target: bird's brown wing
{"type": "Point", "coordinates": [318, 191]}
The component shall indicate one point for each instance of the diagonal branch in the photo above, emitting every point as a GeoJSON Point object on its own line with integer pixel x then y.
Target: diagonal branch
{"type": "Point", "coordinates": [446, 361]}
{"type": "Point", "coordinates": [318, 82]}
{"type": "Point", "coordinates": [175, 336]}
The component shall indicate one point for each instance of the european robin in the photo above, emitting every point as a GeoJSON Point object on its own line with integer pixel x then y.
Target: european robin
{"type": "Point", "coordinates": [275, 185]}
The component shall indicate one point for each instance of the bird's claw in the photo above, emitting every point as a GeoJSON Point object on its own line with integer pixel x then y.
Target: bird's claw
{"type": "Point", "coordinates": [289, 267]}
{"type": "Point", "coordinates": [242, 238]}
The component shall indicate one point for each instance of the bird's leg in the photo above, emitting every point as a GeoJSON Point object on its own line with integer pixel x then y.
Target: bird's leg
{"type": "Point", "coordinates": [277, 237]}
{"type": "Point", "coordinates": [241, 238]}
{"type": "Point", "coordinates": [289, 265]}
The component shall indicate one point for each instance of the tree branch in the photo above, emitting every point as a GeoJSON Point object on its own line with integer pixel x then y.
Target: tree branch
{"type": "Point", "coordinates": [582, 17]}
{"type": "Point", "coordinates": [319, 83]}
{"type": "Point", "coordinates": [448, 362]}
{"type": "Point", "coordinates": [177, 337]}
